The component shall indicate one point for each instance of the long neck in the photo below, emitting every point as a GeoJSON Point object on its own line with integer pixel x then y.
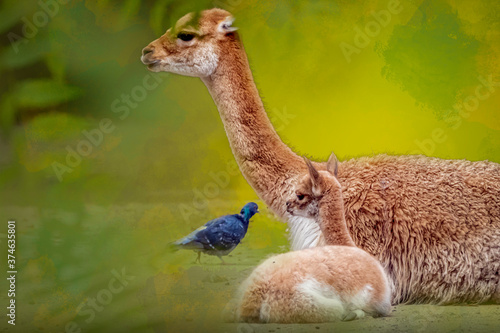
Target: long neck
{"type": "Point", "coordinates": [332, 220]}
{"type": "Point", "coordinates": [263, 158]}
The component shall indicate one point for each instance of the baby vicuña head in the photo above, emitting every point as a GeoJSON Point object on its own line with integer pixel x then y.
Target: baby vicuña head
{"type": "Point", "coordinates": [318, 195]}
{"type": "Point", "coordinates": [314, 189]}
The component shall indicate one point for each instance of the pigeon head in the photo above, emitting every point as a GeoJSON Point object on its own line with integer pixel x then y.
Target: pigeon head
{"type": "Point", "coordinates": [249, 210]}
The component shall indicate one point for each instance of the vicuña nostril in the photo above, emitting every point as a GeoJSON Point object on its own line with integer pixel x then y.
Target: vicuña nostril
{"type": "Point", "coordinates": [146, 50]}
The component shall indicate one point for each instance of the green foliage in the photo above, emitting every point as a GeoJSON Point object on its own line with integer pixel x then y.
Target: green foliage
{"type": "Point", "coordinates": [435, 78]}
{"type": "Point", "coordinates": [157, 16]}
{"type": "Point", "coordinates": [50, 54]}
{"type": "Point", "coordinates": [43, 93]}
{"type": "Point", "coordinates": [8, 114]}
{"type": "Point", "coordinates": [34, 94]}
{"type": "Point", "coordinates": [32, 52]}
{"type": "Point", "coordinates": [12, 11]}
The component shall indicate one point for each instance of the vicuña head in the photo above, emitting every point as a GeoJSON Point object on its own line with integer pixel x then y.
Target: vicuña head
{"type": "Point", "coordinates": [318, 195]}
{"type": "Point", "coordinates": [313, 187]}
{"type": "Point", "coordinates": [193, 46]}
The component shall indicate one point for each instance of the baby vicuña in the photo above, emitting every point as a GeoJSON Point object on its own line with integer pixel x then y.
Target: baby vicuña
{"type": "Point", "coordinates": [338, 281]}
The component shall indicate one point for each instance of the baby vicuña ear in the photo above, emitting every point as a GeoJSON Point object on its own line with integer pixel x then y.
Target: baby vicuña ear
{"type": "Point", "coordinates": [333, 164]}
{"type": "Point", "coordinates": [227, 25]}
{"type": "Point", "coordinates": [312, 172]}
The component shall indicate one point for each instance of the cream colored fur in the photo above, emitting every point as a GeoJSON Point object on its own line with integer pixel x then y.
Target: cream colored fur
{"type": "Point", "coordinates": [320, 284]}
{"type": "Point", "coordinates": [304, 233]}
{"type": "Point", "coordinates": [434, 224]}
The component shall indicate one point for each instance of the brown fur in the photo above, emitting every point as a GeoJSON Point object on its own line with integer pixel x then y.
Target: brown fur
{"type": "Point", "coordinates": [434, 224]}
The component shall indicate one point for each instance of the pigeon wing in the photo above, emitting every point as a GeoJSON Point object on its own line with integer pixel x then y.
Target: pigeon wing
{"type": "Point", "coordinates": [198, 239]}
{"type": "Point", "coordinates": [225, 235]}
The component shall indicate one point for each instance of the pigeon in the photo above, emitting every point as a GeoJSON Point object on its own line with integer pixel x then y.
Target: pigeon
{"type": "Point", "coordinates": [219, 236]}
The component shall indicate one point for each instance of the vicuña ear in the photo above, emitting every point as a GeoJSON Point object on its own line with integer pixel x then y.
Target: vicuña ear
{"type": "Point", "coordinates": [227, 25]}
{"type": "Point", "coordinates": [333, 164]}
{"type": "Point", "coordinates": [312, 172]}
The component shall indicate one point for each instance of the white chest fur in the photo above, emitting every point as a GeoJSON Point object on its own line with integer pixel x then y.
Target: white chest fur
{"type": "Point", "coordinates": [304, 233]}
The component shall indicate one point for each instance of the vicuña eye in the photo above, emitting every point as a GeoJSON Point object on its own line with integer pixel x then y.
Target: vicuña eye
{"type": "Point", "coordinates": [300, 196]}
{"type": "Point", "coordinates": [185, 36]}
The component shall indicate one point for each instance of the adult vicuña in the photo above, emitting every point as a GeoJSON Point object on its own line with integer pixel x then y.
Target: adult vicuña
{"type": "Point", "coordinates": [320, 284]}
{"type": "Point", "coordinates": [433, 224]}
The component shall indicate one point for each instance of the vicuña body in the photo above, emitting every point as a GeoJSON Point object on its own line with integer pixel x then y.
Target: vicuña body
{"type": "Point", "coordinates": [319, 284]}
{"type": "Point", "coordinates": [434, 224]}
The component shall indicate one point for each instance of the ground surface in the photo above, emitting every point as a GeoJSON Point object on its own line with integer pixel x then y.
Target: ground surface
{"type": "Point", "coordinates": [68, 259]}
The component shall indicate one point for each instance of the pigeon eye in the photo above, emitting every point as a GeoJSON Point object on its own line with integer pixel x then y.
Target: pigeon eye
{"type": "Point", "coordinates": [185, 36]}
{"type": "Point", "coordinates": [300, 196]}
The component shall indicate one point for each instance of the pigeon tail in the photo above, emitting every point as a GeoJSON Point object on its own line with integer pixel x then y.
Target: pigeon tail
{"type": "Point", "coordinates": [173, 247]}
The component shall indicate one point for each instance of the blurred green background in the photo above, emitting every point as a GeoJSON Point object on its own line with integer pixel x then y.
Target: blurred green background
{"type": "Point", "coordinates": [158, 165]}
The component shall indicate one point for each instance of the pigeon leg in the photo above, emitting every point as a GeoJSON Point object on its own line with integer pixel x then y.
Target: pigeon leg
{"type": "Point", "coordinates": [223, 262]}
{"type": "Point", "coordinates": [198, 260]}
